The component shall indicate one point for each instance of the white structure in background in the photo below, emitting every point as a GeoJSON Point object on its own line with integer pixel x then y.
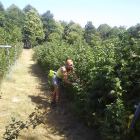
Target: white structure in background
{"type": "Point", "coordinates": [6, 46]}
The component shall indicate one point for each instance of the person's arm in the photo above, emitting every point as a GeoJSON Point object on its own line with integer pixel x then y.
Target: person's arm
{"type": "Point", "coordinates": [65, 76]}
{"type": "Point", "coordinates": [75, 76]}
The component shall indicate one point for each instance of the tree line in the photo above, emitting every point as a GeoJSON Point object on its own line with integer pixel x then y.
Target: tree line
{"type": "Point", "coordinates": [109, 72]}
{"type": "Point", "coordinates": [29, 26]}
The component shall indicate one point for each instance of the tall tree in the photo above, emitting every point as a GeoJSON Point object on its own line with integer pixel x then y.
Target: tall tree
{"type": "Point", "coordinates": [28, 8]}
{"type": "Point", "coordinates": [1, 7]}
{"type": "Point", "coordinates": [74, 32]}
{"type": "Point", "coordinates": [63, 23]}
{"type": "Point", "coordinates": [2, 15]}
{"type": "Point", "coordinates": [134, 31]}
{"type": "Point", "coordinates": [71, 23]}
{"type": "Point", "coordinates": [89, 31]}
{"type": "Point", "coordinates": [33, 28]}
{"type": "Point", "coordinates": [75, 28]}
{"type": "Point", "coordinates": [113, 33]}
{"type": "Point", "coordinates": [49, 25]}
{"type": "Point", "coordinates": [104, 30]}
{"type": "Point", "coordinates": [66, 27]}
{"type": "Point", "coordinates": [122, 28]}
{"type": "Point", "coordinates": [59, 29]}
{"type": "Point", "coordinates": [16, 15]}
{"type": "Point", "coordinates": [58, 34]}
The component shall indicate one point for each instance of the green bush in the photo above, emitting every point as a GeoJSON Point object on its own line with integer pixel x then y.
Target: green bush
{"type": "Point", "coordinates": [109, 77]}
{"type": "Point", "coordinates": [12, 40]}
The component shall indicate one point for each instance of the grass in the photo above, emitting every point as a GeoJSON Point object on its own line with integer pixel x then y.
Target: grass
{"type": "Point", "coordinates": [26, 92]}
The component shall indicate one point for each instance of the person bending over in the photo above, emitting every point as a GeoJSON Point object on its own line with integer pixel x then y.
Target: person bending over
{"type": "Point", "coordinates": [62, 73]}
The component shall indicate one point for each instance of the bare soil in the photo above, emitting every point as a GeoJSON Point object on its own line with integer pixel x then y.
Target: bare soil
{"type": "Point", "coordinates": [26, 92]}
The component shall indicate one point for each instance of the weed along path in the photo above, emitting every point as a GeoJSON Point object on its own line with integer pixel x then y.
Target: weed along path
{"type": "Point", "coordinates": [25, 104]}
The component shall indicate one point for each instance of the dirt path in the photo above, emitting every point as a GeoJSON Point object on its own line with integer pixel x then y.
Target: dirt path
{"type": "Point", "coordinates": [26, 91]}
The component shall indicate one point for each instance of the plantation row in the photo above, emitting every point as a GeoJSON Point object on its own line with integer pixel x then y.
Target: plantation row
{"type": "Point", "coordinates": [4, 57]}
{"type": "Point", "coordinates": [12, 53]}
{"type": "Point", "coordinates": [110, 77]}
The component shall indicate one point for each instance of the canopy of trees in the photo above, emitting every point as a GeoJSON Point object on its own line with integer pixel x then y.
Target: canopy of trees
{"type": "Point", "coordinates": [33, 28]}
{"type": "Point", "coordinates": [28, 26]}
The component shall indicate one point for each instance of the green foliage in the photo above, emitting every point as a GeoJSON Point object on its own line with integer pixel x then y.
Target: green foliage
{"type": "Point", "coordinates": [12, 37]}
{"type": "Point", "coordinates": [2, 36]}
{"type": "Point", "coordinates": [2, 15]}
{"type": "Point", "coordinates": [75, 28]}
{"type": "Point", "coordinates": [4, 57]}
{"type": "Point", "coordinates": [95, 40]}
{"type": "Point", "coordinates": [104, 30]}
{"type": "Point", "coordinates": [115, 119]}
{"type": "Point", "coordinates": [49, 25]}
{"type": "Point", "coordinates": [54, 37]}
{"type": "Point", "coordinates": [57, 34]}
{"type": "Point", "coordinates": [122, 28]}
{"type": "Point", "coordinates": [1, 7]}
{"type": "Point", "coordinates": [13, 129]}
{"type": "Point", "coordinates": [90, 30]}
{"type": "Point", "coordinates": [59, 29]}
{"type": "Point", "coordinates": [114, 32]}
{"type": "Point", "coordinates": [28, 8]}
{"type": "Point", "coordinates": [109, 74]}
{"type": "Point", "coordinates": [33, 28]}
{"type": "Point", "coordinates": [66, 27]}
{"type": "Point", "coordinates": [63, 23]}
{"type": "Point", "coordinates": [108, 66]}
{"type": "Point", "coordinates": [74, 33]}
{"type": "Point", "coordinates": [72, 37]}
{"type": "Point", "coordinates": [134, 31]}
{"type": "Point", "coordinates": [15, 15]}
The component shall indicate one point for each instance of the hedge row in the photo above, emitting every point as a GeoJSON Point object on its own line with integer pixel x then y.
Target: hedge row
{"type": "Point", "coordinates": [8, 38]}
{"type": "Point", "coordinates": [110, 79]}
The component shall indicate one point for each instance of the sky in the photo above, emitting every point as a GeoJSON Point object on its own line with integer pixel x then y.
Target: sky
{"type": "Point", "coordinates": [112, 12]}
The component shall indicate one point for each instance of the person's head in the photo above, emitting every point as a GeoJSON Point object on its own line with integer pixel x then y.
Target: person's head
{"type": "Point", "coordinates": [69, 63]}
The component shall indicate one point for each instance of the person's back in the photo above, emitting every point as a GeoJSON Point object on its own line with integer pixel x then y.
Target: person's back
{"type": "Point", "coordinates": [59, 73]}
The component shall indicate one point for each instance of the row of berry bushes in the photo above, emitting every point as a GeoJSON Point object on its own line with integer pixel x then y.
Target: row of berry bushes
{"type": "Point", "coordinates": [8, 38]}
{"type": "Point", "coordinates": [110, 82]}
